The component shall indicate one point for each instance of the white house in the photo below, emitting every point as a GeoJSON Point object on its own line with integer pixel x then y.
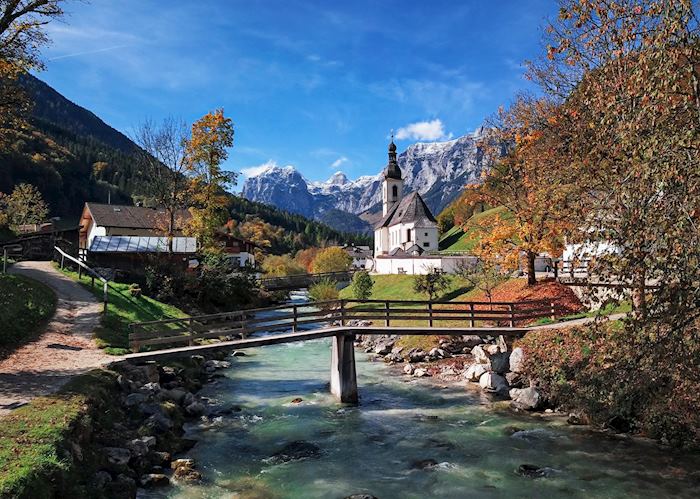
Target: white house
{"type": "Point", "coordinates": [359, 255]}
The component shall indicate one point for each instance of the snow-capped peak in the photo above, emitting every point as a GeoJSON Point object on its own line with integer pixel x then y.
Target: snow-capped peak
{"type": "Point", "coordinates": [338, 178]}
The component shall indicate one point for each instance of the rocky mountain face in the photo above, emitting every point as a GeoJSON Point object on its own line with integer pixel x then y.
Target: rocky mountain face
{"type": "Point", "coordinates": [437, 170]}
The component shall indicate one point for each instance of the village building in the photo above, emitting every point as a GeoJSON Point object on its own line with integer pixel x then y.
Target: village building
{"type": "Point", "coordinates": [359, 255]}
{"type": "Point", "coordinates": [119, 236]}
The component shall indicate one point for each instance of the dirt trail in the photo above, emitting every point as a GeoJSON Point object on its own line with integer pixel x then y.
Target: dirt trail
{"type": "Point", "coordinates": [66, 347]}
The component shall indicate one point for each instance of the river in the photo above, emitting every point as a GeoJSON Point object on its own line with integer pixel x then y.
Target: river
{"type": "Point", "coordinates": [376, 448]}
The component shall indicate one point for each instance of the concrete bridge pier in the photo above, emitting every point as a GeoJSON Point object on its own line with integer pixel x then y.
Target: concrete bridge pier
{"type": "Point", "coordinates": [343, 376]}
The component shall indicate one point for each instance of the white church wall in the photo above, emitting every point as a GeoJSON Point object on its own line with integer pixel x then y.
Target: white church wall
{"type": "Point", "coordinates": [418, 265]}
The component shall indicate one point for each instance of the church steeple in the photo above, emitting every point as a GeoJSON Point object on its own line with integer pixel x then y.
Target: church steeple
{"type": "Point", "coordinates": [392, 186]}
{"type": "Point", "coordinates": [392, 168]}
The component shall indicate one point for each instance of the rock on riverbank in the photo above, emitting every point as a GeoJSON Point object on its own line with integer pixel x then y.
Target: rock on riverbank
{"type": "Point", "coordinates": [488, 363]}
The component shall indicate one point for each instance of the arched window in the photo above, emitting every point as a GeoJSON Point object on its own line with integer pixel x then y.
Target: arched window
{"type": "Point", "coordinates": [394, 191]}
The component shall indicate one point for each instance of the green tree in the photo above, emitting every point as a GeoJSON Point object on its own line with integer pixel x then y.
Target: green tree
{"type": "Point", "coordinates": [333, 259]}
{"type": "Point", "coordinates": [25, 206]}
{"type": "Point", "coordinates": [362, 285]}
{"type": "Point", "coordinates": [432, 283]}
{"type": "Point", "coordinates": [324, 290]}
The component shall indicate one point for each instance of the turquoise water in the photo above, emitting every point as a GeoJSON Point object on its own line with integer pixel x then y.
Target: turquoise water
{"type": "Point", "coordinates": [374, 448]}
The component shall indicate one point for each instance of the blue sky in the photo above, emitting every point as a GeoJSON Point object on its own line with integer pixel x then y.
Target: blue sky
{"type": "Point", "coordinates": [314, 84]}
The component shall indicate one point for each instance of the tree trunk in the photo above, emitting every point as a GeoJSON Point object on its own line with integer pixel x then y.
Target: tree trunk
{"type": "Point", "coordinates": [639, 298]}
{"type": "Point", "coordinates": [531, 278]}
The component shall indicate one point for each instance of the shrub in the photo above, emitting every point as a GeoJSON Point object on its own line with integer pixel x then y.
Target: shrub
{"type": "Point", "coordinates": [433, 283]}
{"type": "Point", "coordinates": [362, 285]}
{"type": "Point", "coordinates": [625, 376]}
{"type": "Point", "coordinates": [324, 290]}
{"type": "Point", "coordinates": [281, 265]}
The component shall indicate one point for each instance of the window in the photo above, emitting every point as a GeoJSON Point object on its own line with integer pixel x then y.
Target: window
{"type": "Point", "coordinates": [426, 234]}
{"type": "Point", "coordinates": [408, 234]}
{"type": "Point", "coordinates": [394, 191]}
{"type": "Point", "coordinates": [425, 245]}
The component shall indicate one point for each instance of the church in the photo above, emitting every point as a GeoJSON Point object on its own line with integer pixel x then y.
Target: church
{"type": "Point", "coordinates": [407, 234]}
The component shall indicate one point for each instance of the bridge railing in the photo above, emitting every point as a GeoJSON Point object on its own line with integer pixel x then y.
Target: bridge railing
{"type": "Point", "coordinates": [388, 313]}
{"type": "Point", "coordinates": [302, 280]}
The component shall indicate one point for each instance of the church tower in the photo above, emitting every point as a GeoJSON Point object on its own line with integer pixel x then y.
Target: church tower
{"type": "Point", "coordinates": [392, 186]}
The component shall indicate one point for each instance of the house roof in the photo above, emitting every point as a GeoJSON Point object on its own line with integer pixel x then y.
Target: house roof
{"type": "Point", "coordinates": [142, 244]}
{"type": "Point", "coordinates": [133, 217]}
{"type": "Point", "coordinates": [411, 209]}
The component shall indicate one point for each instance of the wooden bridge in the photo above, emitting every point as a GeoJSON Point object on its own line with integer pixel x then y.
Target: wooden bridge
{"type": "Point", "coordinates": [337, 319]}
{"type": "Point", "coordinates": [299, 281]}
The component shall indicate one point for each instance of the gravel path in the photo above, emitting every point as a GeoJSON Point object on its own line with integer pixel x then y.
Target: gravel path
{"type": "Point", "coordinates": [65, 349]}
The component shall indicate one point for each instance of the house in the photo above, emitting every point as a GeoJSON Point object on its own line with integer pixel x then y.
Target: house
{"type": "Point", "coordinates": [359, 255]}
{"type": "Point", "coordinates": [240, 251]}
{"type": "Point", "coordinates": [119, 236]}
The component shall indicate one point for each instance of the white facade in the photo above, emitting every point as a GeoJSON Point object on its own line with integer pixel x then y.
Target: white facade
{"type": "Point", "coordinates": [392, 193]}
{"type": "Point", "coordinates": [419, 265]}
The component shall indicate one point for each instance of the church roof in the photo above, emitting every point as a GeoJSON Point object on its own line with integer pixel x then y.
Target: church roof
{"type": "Point", "coordinates": [411, 209]}
{"type": "Point", "coordinates": [392, 168]}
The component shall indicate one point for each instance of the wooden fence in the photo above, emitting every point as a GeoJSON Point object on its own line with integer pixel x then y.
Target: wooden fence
{"type": "Point", "coordinates": [61, 256]}
{"type": "Point", "coordinates": [240, 324]}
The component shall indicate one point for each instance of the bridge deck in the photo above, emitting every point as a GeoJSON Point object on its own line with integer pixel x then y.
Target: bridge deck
{"type": "Point", "coordinates": [322, 333]}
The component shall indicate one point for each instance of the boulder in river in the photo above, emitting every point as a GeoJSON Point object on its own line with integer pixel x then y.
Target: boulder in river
{"type": "Point", "coordinates": [360, 496]}
{"type": "Point", "coordinates": [517, 360]}
{"type": "Point", "coordinates": [494, 383]}
{"type": "Point", "coordinates": [474, 372]}
{"type": "Point", "coordinates": [528, 399]}
{"type": "Point", "coordinates": [532, 471]}
{"type": "Point", "coordinates": [424, 464]}
{"type": "Point", "coordinates": [295, 451]}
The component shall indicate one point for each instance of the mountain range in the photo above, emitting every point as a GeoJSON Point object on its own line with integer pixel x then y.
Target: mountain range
{"type": "Point", "coordinates": [436, 170]}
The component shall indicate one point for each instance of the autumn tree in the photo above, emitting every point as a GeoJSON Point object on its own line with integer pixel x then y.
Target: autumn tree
{"type": "Point", "coordinates": [526, 182]}
{"type": "Point", "coordinates": [22, 35]}
{"type": "Point", "coordinates": [163, 167]}
{"type": "Point", "coordinates": [281, 265]}
{"type": "Point", "coordinates": [206, 151]}
{"type": "Point", "coordinates": [261, 233]}
{"type": "Point", "coordinates": [627, 76]}
{"type": "Point", "coordinates": [305, 257]}
{"type": "Point", "coordinates": [333, 259]}
{"type": "Point", "coordinates": [24, 206]}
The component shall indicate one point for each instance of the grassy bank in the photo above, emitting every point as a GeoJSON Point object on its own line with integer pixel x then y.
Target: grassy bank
{"type": "Point", "coordinates": [122, 310]}
{"type": "Point", "coordinates": [400, 287]}
{"type": "Point", "coordinates": [466, 239]}
{"type": "Point", "coordinates": [40, 441]}
{"type": "Point", "coordinates": [26, 306]}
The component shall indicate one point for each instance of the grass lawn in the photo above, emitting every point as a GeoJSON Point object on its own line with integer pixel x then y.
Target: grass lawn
{"type": "Point", "coordinates": [26, 306]}
{"type": "Point", "coordinates": [122, 310]}
{"type": "Point", "coordinates": [33, 438]}
{"type": "Point", "coordinates": [457, 239]}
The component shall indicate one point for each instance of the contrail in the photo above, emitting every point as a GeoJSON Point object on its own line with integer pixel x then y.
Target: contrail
{"type": "Point", "coordinates": [87, 52]}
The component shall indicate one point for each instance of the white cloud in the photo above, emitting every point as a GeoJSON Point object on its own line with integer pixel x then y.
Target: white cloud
{"type": "Point", "coordinates": [339, 162]}
{"type": "Point", "coordinates": [254, 171]}
{"type": "Point", "coordinates": [423, 130]}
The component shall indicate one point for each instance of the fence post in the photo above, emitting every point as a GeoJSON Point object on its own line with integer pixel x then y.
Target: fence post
{"type": "Point", "coordinates": [62, 258]}
{"type": "Point", "coordinates": [294, 318]}
{"type": "Point", "coordinates": [430, 314]}
{"type": "Point", "coordinates": [104, 297]}
{"type": "Point", "coordinates": [190, 329]}
{"type": "Point", "coordinates": [80, 272]}
{"type": "Point", "coordinates": [134, 346]}
{"type": "Point", "coordinates": [471, 313]}
{"type": "Point", "coordinates": [553, 310]}
{"type": "Point", "coordinates": [386, 313]}
{"type": "Point", "coordinates": [342, 312]}
{"type": "Point", "coordinates": [511, 308]}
